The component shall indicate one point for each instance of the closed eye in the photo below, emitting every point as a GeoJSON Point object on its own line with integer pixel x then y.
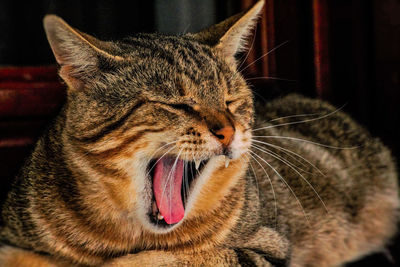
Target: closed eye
{"type": "Point", "coordinates": [229, 102]}
{"type": "Point", "coordinates": [180, 106]}
{"type": "Point", "coordinates": [183, 107]}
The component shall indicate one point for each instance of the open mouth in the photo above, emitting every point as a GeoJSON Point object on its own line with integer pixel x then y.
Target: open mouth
{"type": "Point", "coordinates": [172, 179]}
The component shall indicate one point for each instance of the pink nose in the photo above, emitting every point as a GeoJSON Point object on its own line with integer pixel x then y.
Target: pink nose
{"type": "Point", "coordinates": [224, 135]}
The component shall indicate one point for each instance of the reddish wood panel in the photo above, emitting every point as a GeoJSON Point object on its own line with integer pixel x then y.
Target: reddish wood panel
{"type": "Point", "coordinates": [30, 91]}
{"type": "Point", "coordinates": [28, 74]}
{"type": "Point", "coordinates": [251, 55]}
{"type": "Point", "coordinates": [29, 98]}
{"type": "Point", "coordinates": [321, 48]}
{"type": "Point", "coordinates": [267, 40]}
{"type": "Point", "coordinates": [259, 62]}
{"type": "Point", "coordinates": [18, 99]}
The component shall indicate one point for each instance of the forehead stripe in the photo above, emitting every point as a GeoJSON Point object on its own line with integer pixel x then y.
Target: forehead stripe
{"type": "Point", "coordinates": [110, 127]}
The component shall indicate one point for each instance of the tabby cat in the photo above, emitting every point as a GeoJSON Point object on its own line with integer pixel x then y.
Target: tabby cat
{"type": "Point", "coordinates": [155, 160]}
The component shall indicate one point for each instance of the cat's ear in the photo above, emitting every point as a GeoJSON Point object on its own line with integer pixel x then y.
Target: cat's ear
{"type": "Point", "coordinates": [229, 36]}
{"type": "Point", "coordinates": [80, 55]}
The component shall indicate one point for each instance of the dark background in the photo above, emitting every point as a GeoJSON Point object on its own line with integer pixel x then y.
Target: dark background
{"type": "Point", "coordinates": [343, 51]}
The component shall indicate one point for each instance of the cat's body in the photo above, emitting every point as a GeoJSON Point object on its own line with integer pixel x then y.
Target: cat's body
{"type": "Point", "coordinates": [89, 194]}
{"type": "Point", "coordinates": [351, 188]}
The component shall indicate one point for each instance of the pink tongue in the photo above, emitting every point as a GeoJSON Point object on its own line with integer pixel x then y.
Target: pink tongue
{"type": "Point", "coordinates": [167, 183]}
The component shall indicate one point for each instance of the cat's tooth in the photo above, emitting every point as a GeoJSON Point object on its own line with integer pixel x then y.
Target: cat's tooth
{"type": "Point", "coordinates": [159, 216]}
{"type": "Point", "coordinates": [227, 160]}
{"type": "Point", "coordinates": [154, 208]}
{"type": "Point", "coordinates": [197, 164]}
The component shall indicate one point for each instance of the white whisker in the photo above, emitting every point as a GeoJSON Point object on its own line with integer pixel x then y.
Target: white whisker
{"type": "Point", "coordinates": [304, 140]}
{"type": "Point", "coordinates": [266, 54]}
{"type": "Point", "coordinates": [169, 178]}
{"type": "Point", "coordinates": [186, 29]}
{"type": "Point", "coordinates": [159, 160]}
{"type": "Point", "coordinates": [255, 177]}
{"type": "Point", "coordinates": [287, 185]}
{"type": "Point", "coordinates": [184, 181]}
{"type": "Point", "coordinates": [272, 188]}
{"type": "Point", "coordinates": [277, 156]}
{"type": "Point", "coordinates": [251, 47]}
{"type": "Point", "coordinates": [161, 147]}
{"type": "Point", "coordinates": [270, 78]}
{"type": "Point", "coordinates": [298, 122]}
{"type": "Point", "coordinates": [191, 166]}
{"type": "Point", "coordinates": [289, 155]}
{"type": "Point", "coordinates": [295, 116]}
{"type": "Point", "coordinates": [290, 165]}
{"type": "Point", "coordinates": [186, 185]}
{"type": "Point", "coordinates": [290, 151]}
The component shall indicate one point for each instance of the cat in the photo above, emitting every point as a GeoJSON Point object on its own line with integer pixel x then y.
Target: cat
{"type": "Point", "coordinates": [159, 157]}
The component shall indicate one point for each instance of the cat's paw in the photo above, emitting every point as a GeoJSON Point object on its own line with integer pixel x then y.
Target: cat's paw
{"type": "Point", "coordinates": [145, 258]}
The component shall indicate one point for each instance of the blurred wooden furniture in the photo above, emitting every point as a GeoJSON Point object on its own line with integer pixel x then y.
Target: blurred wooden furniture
{"type": "Point", "coordinates": [29, 98]}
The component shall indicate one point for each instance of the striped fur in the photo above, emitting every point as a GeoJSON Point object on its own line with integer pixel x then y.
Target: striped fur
{"type": "Point", "coordinates": [84, 195]}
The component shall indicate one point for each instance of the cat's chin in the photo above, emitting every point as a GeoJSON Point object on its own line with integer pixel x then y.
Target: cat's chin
{"type": "Point", "coordinates": [167, 208]}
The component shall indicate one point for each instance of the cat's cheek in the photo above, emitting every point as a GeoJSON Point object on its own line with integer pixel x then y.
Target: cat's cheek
{"type": "Point", "coordinates": [240, 144]}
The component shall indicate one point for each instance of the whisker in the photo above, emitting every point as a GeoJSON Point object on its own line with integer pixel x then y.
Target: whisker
{"type": "Point", "coordinates": [306, 141]}
{"type": "Point", "coordinates": [248, 173]}
{"type": "Point", "coordinates": [266, 54]}
{"type": "Point", "coordinates": [260, 96]}
{"type": "Point", "coordinates": [294, 169]}
{"type": "Point", "coordinates": [272, 187]}
{"type": "Point", "coordinates": [184, 186]}
{"type": "Point", "coordinates": [165, 187]}
{"type": "Point", "coordinates": [255, 177]}
{"type": "Point", "coordinates": [167, 144]}
{"type": "Point", "coordinates": [191, 166]}
{"type": "Point", "coordinates": [270, 78]}
{"type": "Point", "coordinates": [298, 122]}
{"type": "Point", "coordinates": [295, 116]}
{"type": "Point", "coordinates": [251, 47]}
{"type": "Point", "coordinates": [292, 152]}
{"type": "Point", "coordinates": [287, 185]}
{"type": "Point", "coordinates": [194, 159]}
{"type": "Point", "coordinates": [169, 178]}
{"type": "Point", "coordinates": [286, 117]}
{"type": "Point", "coordinates": [240, 70]}
{"type": "Point", "coordinates": [159, 160]}
{"type": "Point", "coordinates": [289, 155]}
{"type": "Point", "coordinates": [277, 156]}
{"type": "Point", "coordinates": [186, 28]}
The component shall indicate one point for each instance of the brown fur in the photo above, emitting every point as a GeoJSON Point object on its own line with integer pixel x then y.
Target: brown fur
{"type": "Point", "coordinates": [83, 197]}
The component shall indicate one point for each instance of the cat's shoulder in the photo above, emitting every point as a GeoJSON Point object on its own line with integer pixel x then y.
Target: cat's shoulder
{"type": "Point", "coordinates": [293, 102]}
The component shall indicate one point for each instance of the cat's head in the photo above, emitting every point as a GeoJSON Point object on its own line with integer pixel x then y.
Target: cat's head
{"type": "Point", "coordinates": [162, 122]}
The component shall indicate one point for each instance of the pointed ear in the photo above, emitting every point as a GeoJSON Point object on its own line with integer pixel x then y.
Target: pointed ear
{"type": "Point", "coordinates": [78, 54]}
{"type": "Point", "coordinates": [229, 36]}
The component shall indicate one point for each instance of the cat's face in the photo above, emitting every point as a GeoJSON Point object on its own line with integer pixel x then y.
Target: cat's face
{"type": "Point", "coordinates": [155, 118]}
{"type": "Point", "coordinates": [195, 117]}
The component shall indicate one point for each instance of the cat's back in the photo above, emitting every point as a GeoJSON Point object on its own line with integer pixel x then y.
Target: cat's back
{"type": "Point", "coordinates": [325, 180]}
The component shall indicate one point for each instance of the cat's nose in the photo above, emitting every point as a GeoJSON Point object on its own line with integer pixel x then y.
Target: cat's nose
{"type": "Point", "coordinates": [224, 134]}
